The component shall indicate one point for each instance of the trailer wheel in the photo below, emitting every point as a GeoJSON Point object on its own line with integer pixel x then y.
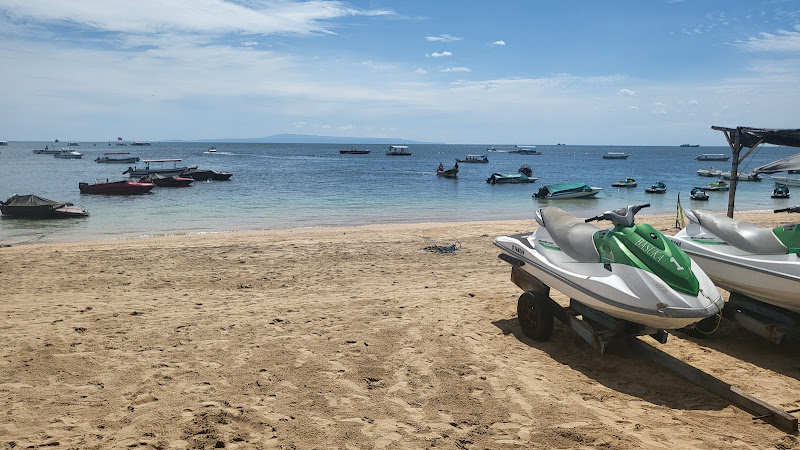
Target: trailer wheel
{"type": "Point", "coordinates": [534, 315]}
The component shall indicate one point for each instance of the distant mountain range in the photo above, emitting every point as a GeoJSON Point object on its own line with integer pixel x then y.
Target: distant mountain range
{"type": "Point", "coordinates": [312, 139]}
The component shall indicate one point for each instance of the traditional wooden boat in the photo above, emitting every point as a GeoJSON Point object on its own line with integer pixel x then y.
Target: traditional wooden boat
{"type": "Point", "coordinates": [482, 159]}
{"type": "Point", "coordinates": [449, 173]}
{"type": "Point", "coordinates": [156, 166]}
{"type": "Point", "coordinates": [116, 158]}
{"type": "Point", "coordinates": [35, 207]}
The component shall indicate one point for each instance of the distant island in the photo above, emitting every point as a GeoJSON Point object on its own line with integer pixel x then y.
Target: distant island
{"type": "Point", "coordinates": [311, 139]}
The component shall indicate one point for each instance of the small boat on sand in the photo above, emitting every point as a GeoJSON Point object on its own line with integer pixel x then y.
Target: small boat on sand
{"type": "Point", "coordinates": [35, 207]}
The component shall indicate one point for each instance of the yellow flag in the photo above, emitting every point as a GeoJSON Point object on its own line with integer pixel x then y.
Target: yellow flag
{"type": "Point", "coordinates": [680, 219]}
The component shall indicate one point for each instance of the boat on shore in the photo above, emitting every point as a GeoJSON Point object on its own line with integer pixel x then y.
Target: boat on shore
{"type": "Point", "coordinates": [627, 182]}
{"type": "Point", "coordinates": [35, 207]}
{"type": "Point", "coordinates": [124, 187]}
{"type": "Point", "coordinates": [615, 155]}
{"type": "Point", "coordinates": [156, 166]}
{"type": "Point", "coordinates": [566, 190]}
{"type": "Point", "coordinates": [713, 157]}
{"type": "Point", "coordinates": [68, 153]}
{"type": "Point", "coordinates": [354, 151]}
{"type": "Point", "coordinates": [116, 158]}
{"type": "Point", "coordinates": [398, 150]}
{"type": "Point", "coordinates": [658, 188]}
{"type": "Point", "coordinates": [474, 159]}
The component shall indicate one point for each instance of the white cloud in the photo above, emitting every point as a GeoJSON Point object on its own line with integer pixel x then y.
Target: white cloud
{"type": "Point", "coordinates": [626, 92]}
{"type": "Point", "coordinates": [782, 41]}
{"type": "Point", "coordinates": [632, 108]}
{"type": "Point", "coordinates": [501, 43]}
{"type": "Point", "coordinates": [421, 71]}
{"type": "Point", "coordinates": [300, 124]}
{"type": "Point", "coordinates": [443, 38]}
{"type": "Point", "coordinates": [693, 102]}
{"type": "Point", "coordinates": [439, 55]}
{"type": "Point", "coordinates": [659, 108]}
{"type": "Point", "coordinates": [376, 66]}
{"type": "Point", "coordinates": [249, 43]}
{"type": "Point", "coordinates": [456, 69]}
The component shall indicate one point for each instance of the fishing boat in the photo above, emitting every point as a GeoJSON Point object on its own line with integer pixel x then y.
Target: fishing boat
{"type": "Point", "coordinates": [449, 173]}
{"type": "Point", "coordinates": [354, 151]}
{"type": "Point", "coordinates": [615, 155]}
{"type": "Point", "coordinates": [156, 166]}
{"type": "Point", "coordinates": [169, 181]}
{"type": "Point", "coordinates": [124, 187]}
{"type": "Point", "coordinates": [47, 151]}
{"type": "Point", "coordinates": [567, 190]}
{"type": "Point", "coordinates": [526, 150]}
{"type": "Point", "coordinates": [35, 207]}
{"type": "Point", "coordinates": [474, 159]}
{"type": "Point", "coordinates": [73, 144]}
{"type": "Point", "coordinates": [116, 158]}
{"type": "Point", "coordinates": [68, 153]}
{"type": "Point", "coordinates": [780, 191]}
{"type": "Point", "coordinates": [698, 193]}
{"type": "Point", "coordinates": [719, 185]}
{"type": "Point", "coordinates": [713, 157]}
{"type": "Point", "coordinates": [140, 143]}
{"type": "Point", "coordinates": [658, 188]}
{"type": "Point", "coordinates": [398, 150]}
{"type": "Point", "coordinates": [627, 182]}
{"type": "Point", "coordinates": [510, 178]}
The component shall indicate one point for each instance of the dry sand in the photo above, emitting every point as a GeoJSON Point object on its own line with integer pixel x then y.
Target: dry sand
{"type": "Point", "coordinates": [340, 338]}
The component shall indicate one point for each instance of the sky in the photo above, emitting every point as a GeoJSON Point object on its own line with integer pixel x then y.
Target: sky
{"type": "Point", "coordinates": [629, 72]}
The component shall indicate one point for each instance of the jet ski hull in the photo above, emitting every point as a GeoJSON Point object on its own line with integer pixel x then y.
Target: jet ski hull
{"type": "Point", "coordinates": [772, 279]}
{"type": "Point", "coordinates": [624, 292]}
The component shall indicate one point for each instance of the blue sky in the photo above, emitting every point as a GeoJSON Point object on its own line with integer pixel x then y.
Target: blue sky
{"type": "Point", "coordinates": [637, 72]}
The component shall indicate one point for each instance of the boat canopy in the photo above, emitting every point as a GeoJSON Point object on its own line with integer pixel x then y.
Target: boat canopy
{"type": "Point", "coordinates": [33, 200]}
{"type": "Point", "coordinates": [160, 160]}
{"type": "Point", "coordinates": [398, 146]}
{"type": "Point", "coordinates": [566, 187]}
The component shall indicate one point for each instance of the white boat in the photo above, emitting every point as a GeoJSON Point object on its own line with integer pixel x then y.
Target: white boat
{"type": "Point", "coordinates": [68, 153]}
{"type": "Point", "coordinates": [786, 181]}
{"type": "Point", "coordinates": [615, 155]}
{"type": "Point", "coordinates": [152, 166]}
{"type": "Point", "coordinates": [567, 190]}
{"type": "Point", "coordinates": [3, 142]}
{"type": "Point", "coordinates": [713, 157]}
{"type": "Point", "coordinates": [398, 150]}
{"type": "Point", "coordinates": [747, 176]}
{"type": "Point", "coordinates": [212, 149]}
{"type": "Point", "coordinates": [710, 172]}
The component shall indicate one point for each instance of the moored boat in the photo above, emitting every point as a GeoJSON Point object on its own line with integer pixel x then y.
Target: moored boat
{"type": "Point", "coordinates": [474, 159]}
{"type": "Point", "coordinates": [658, 188]}
{"type": "Point", "coordinates": [615, 155]}
{"type": "Point", "coordinates": [47, 151]}
{"type": "Point", "coordinates": [206, 174]}
{"type": "Point", "coordinates": [719, 185]}
{"type": "Point", "coordinates": [710, 172]}
{"type": "Point", "coordinates": [713, 157]}
{"type": "Point", "coordinates": [698, 193]}
{"type": "Point", "coordinates": [398, 150]}
{"type": "Point", "coordinates": [747, 176]}
{"type": "Point", "coordinates": [627, 182]}
{"type": "Point", "coordinates": [526, 150]}
{"type": "Point", "coordinates": [567, 190]}
{"type": "Point", "coordinates": [35, 207]}
{"type": "Point", "coordinates": [353, 151]}
{"type": "Point", "coordinates": [167, 181]}
{"type": "Point", "coordinates": [116, 158]}
{"type": "Point", "coordinates": [124, 187]}
{"type": "Point", "coordinates": [68, 153]}
{"type": "Point", "coordinates": [449, 173]}
{"type": "Point", "coordinates": [780, 191]}
{"type": "Point", "coordinates": [786, 181]}
{"type": "Point", "coordinates": [156, 166]}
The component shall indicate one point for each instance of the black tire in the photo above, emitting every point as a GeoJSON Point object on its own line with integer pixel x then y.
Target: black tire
{"type": "Point", "coordinates": [535, 316]}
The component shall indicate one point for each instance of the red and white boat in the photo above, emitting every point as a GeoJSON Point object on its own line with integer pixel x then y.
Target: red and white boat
{"type": "Point", "coordinates": [124, 187]}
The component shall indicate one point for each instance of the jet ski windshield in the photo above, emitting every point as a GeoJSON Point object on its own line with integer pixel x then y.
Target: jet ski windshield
{"type": "Point", "coordinates": [620, 217]}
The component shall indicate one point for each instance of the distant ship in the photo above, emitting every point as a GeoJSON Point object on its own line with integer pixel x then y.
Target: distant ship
{"type": "Point", "coordinates": [690, 145]}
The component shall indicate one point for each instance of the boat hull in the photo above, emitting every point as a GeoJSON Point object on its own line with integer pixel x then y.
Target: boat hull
{"type": "Point", "coordinates": [624, 292]}
{"type": "Point", "coordinates": [116, 188]}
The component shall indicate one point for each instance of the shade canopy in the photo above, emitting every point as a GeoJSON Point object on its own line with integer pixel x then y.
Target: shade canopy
{"type": "Point", "coordinates": [752, 136]}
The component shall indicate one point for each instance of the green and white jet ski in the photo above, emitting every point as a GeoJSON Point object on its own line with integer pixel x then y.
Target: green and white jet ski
{"type": "Point", "coordinates": [741, 257]}
{"type": "Point", "coordinates": [630, 272]}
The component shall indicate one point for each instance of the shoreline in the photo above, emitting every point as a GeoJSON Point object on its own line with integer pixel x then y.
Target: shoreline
{"type": "Point", "coordinates": [334, 336]}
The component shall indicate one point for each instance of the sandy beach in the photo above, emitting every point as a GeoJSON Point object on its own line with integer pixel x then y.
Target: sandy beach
{"type": "Point", "coordinates": [351, 337]}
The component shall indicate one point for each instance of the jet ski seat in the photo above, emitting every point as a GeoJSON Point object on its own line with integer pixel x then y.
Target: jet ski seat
{"type": "Point", "coordinates": [742, 235]}
{"type": "Point", "coordinates": [571, 234]}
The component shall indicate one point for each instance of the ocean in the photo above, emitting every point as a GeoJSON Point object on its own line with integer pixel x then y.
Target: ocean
{"type": "Point", "coordinates": [306, 185]}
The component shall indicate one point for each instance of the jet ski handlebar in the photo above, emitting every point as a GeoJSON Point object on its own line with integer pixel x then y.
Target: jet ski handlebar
{"type": "Point", "coordinates": [793, 209]}
{"type": "Point", "coordinates": [621, 216]}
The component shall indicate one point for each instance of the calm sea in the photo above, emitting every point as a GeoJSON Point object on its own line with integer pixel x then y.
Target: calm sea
{"type": "Point", "coordinates": [302, 185]}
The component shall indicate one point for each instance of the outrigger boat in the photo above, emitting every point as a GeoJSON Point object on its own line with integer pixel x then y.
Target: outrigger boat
{"type": "Point", "coordinates": [157, 167]}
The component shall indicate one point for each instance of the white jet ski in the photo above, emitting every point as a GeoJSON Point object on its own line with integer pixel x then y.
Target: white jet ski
{"type": "Point", "coordinates": [630, 272]}
{"type": "Point", "coordinates": [741, 257]}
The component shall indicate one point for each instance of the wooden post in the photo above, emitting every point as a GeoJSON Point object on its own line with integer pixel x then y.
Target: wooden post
{"type": "Point", "coordinates": [736, 147]}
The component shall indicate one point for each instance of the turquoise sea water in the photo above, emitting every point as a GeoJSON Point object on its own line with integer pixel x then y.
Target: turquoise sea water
{"type": "Point", "coordinates": [301, 185]}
